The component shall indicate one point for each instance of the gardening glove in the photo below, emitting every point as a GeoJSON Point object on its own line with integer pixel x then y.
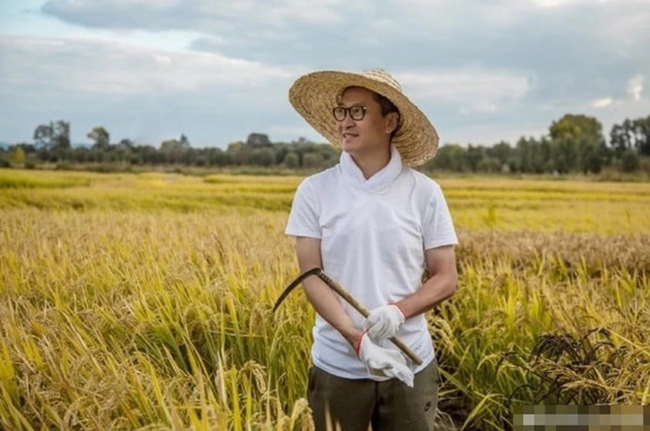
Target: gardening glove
{"type": "Point", "coordinates": [383, 362]}
{"type": "Point", "coordinates": [384, 322]}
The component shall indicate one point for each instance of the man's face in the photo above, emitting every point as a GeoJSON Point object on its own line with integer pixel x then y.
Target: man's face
{"type": "Point", "coordinates": [370, 135]}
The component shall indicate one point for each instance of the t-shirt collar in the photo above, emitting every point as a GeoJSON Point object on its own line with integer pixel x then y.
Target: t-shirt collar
{"type": "Point", "coordinates": [378, 181]}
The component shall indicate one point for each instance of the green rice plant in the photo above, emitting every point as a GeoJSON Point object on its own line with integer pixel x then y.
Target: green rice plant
{"type": "Point", "coordinates": [17, 179]}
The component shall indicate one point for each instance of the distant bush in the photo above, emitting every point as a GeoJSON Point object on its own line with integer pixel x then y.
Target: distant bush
{"type": "Point", "coordinates": [107, 168]}
{"type": "Point", "coordinates": [629, 161]}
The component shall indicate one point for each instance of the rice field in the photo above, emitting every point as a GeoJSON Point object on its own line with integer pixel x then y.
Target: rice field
{"type": "Point", "coordinates": [143, 301]}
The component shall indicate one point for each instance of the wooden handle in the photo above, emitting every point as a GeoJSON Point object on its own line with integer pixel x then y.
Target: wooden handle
{"type": "Point", "coordinates": [364, 312]}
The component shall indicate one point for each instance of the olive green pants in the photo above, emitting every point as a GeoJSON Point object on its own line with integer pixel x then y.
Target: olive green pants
{"type": "Point", "coordinates": [354, 405]}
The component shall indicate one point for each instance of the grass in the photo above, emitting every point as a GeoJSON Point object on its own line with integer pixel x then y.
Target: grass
{"type": "Point", "coordinates": [143, 301]}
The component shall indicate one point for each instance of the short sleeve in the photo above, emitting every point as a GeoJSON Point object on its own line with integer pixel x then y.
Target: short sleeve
{"type": "Point", "coordinates": [438, 227]}
{"type": "Point", "coordinates": [303, 218]}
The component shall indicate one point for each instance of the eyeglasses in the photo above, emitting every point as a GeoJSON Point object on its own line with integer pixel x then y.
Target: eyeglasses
{"type": "Point", "coordinates": [356, 112]}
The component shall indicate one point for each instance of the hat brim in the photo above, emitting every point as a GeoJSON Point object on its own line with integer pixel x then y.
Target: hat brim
{"type": "Point", "coordinates": [315, 94]}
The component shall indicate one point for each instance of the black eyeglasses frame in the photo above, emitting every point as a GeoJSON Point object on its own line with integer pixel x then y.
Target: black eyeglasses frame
{"type": "Point", "coordinates": [340, 112]}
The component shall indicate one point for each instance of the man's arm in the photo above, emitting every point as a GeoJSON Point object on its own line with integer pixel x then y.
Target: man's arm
{"type": "Point", "coordinates": [441, 264]}
{"type": "Point", "coordinates": [322, 298]}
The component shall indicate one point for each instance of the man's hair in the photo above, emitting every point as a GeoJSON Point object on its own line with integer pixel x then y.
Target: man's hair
{"type": "Point", "coordinates": [386, 105]}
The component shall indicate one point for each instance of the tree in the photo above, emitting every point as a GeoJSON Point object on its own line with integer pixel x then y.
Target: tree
{"type": "Point", "coordinates": [53, 139]}
{"type": "Point", "coordinates": [501, 151]}
{"type": "Point", "coordinates": [176, 150]}
{"type": "Point", "coordinates": [631, 134]}
{"type": "Point", "coordinates": [262, 157]}
{"type": "Point", "coordinates": [183, 142]}
{"type": "Point", "coordinates": [590, 158]}
{"type": "Point", "coordinates": [450, 157]}
{"type": "Point", "coordinates": [474, 156]}
{"type": "Point", "coordinates": [629, 161]}
{"type": "Point", "coordinates": [101, 138]}
{"type": "Point", "coordinates": [17, 155]}
{"type": "Point", "coordinates": [61, 136]}
{"type": "Point", "coordinates": [582, 137]}
{"type": "Point", "coordinates": [127, 143]}
{"type": "Point", "coordinates": [123, 150]}
{"type": "Point", "coordinates": [291, 160]}
{"type": "Point", "coordinates": [642, 131]}
{"type": "Point", "coordinates": [545, 155]}
{"type": "Point", "coordinates": [490, 165]}
{"type": "Point", "coordinates": [525, 154]}
{"type": "Point", "coordinates": [622, 137]}
{"type": "Point", "coordinates": [43, 136]}
{"type": "Point", "coordinates": [312, 160]}
{"type": "Point", "coordinates": [82, 155]}
{"type": "Point", "coordinates": [578, 127]}
{"type": "Point", "coordinates": [169, 145]}
{"type": "Point", "coordinates": [218, 157]}
{"type": "Point", "coordinates": [564, 155]}
{"type": "Point", "coordinates": [258, 140]}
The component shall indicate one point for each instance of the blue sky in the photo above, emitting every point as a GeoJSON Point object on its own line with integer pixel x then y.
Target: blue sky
{"type": "Point", "coordinates": [216, 70]}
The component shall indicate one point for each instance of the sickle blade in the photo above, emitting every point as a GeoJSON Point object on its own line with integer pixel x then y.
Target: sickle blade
{"type": "Point", "coordinates": [294, 284]}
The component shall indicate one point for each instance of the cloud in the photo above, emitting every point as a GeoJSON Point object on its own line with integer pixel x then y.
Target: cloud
{"type": "Point", "coordinates": [554, 3]}
{"type": "Point", "coordinates": [576, 49]}
{"type": "Point", "coordinates": [107, 68]}
{"type": "Point", "coordinates": [93, 82]}
{"type": "Point", "coordinates": [634, 93]}
{"type": "Point", "coordinates": [635, 87]}
{"type": "Point", "coordinates": [601, 103]}
{"type": "Point", "coordinates": [482, 70]}
{"type": "Point", "coordinates": [204, 16]}
{"type": "Point", "coordinates": [473, 90]}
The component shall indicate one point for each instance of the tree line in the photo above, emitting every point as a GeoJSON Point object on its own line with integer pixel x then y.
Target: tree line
{"type": "Point", "coordinates": [575, 143]}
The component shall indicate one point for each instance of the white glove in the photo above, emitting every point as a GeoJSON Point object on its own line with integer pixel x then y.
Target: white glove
{"type": "Point", "coordinates": [384, 322]}
{"type": "Point", "coordinates": [384, 362]}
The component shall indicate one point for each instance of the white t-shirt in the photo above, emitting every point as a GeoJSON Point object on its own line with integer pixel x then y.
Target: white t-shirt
{"type": "Point", "coordinates": [373, 236]}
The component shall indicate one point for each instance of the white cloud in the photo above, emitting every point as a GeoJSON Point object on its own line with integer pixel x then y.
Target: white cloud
{"type": "Point", "coordinates": [105, 67]}
{"type": "Point", "coordinates": [478, 90]}
{"type": "Point", "coordinates": [625, 24]}
{"type": "Point", "coordinates": [206, 16]}
{"type": "Point", "coordinates": [202, 66]}
{"type": "Point", "coordinates": [553, 3]}
{"type": "Point", "coordinates": [601, 103]}
{"type": "Point", "coordinates": [635, 87]}
{"type": "Point", "coordinates": [136, 92]}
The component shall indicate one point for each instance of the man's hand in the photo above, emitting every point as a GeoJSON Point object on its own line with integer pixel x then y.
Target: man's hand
{"type": "Point", "coordinates": [384, 322]}
{"type": "Point", "coordinates": [383, 362]}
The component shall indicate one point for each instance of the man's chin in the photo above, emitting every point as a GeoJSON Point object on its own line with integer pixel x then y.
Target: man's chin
{"type": "Point", "coordinates": [348, 144]}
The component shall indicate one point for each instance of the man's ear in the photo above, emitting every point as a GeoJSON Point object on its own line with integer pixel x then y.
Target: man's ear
{"type": "Point", "coordinates": [392, 120]}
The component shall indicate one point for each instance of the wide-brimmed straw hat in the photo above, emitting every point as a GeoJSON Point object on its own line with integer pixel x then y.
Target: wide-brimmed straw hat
{"type": "Point", "coordinates": [315, 94]}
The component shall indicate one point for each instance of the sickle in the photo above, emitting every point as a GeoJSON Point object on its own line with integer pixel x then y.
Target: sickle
{"type": "Point", "coordinates": [295, 283]}
{"type": "Point", "coordinates": [349, 299]}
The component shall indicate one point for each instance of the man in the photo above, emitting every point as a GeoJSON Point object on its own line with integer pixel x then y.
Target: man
{"type": "Point", "coordinates": [376, 226]}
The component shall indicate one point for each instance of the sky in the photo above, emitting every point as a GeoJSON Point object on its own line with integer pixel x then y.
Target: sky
{"type": "Point", "coordinates": [483, 71]}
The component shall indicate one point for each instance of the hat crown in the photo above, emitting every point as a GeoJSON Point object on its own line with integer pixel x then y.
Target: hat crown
{"type": "Point", "coordinates": [382, 76]}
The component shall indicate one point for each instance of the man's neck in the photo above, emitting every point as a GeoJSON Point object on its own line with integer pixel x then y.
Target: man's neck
{"type": "Point", "coordinates": [370, 164]}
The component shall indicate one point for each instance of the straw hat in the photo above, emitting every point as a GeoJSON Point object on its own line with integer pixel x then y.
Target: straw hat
{"type": "Point", "coordinates": [315, 94]}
